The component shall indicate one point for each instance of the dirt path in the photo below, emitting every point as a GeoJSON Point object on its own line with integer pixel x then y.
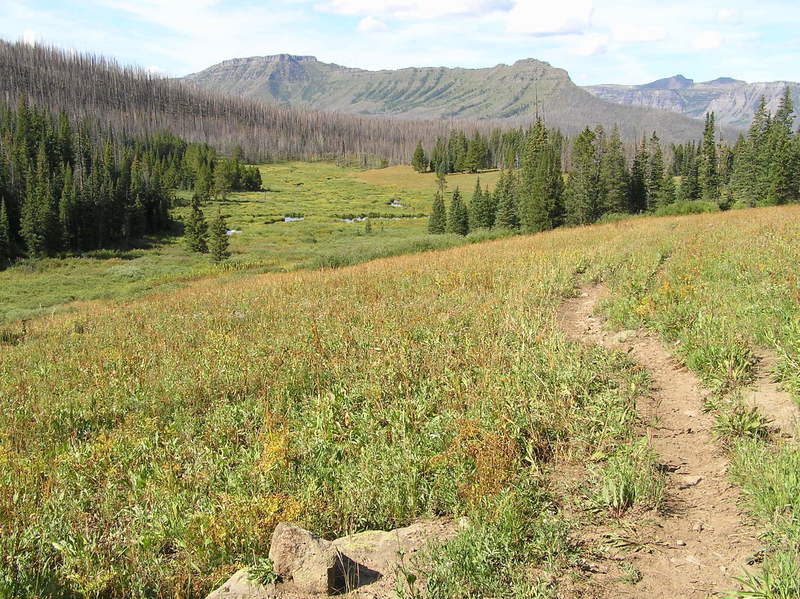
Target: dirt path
{"type": "Point", "coordinates": [699, 542]}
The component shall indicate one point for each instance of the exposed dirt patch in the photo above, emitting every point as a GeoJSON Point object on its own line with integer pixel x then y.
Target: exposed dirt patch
{"type": "Point", "coordinates": [699, 541]}
{"type": "Point", "coordinates": [766, 395]}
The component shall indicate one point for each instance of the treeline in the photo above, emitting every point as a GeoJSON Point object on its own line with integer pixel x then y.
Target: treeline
{"type": "Point", "coordinates": [760, 169]}
{"type": "Point", "coordinates": [68, 186]}
{"type": "Point", "coordinates": [530, 199]}
{"type": "Point", "coordinates": [458, 153]}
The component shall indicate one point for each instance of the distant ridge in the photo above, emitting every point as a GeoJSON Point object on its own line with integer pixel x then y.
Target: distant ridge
{"type": "Point", "coordinates": [512, 93]}
{"type": "Point", "coordinates": [733, 101]}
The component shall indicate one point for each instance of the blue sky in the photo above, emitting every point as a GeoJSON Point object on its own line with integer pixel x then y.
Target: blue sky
{"type": "Point", "coordinates": [596, 41]}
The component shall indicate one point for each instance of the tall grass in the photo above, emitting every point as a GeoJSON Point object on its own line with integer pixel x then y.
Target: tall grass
{"type": "Point", "coordinates": [148, 449]}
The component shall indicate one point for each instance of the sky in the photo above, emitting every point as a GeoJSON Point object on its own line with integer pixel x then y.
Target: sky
{"type": "Point", "coordinates": [596, 41]}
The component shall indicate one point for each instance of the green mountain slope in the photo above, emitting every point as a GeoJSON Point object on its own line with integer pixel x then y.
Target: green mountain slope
{"type": "Point", "coordinates": [511, 93]}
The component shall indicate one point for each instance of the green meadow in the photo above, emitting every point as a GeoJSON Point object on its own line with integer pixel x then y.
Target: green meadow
{"type": "Point", "coordinates": [322, 194]}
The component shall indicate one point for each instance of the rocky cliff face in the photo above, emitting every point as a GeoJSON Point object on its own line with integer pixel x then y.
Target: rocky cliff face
{"type": "Point", "coordinates": [733, 102]}
{"type": "Point", "coordinates": [514, 93]}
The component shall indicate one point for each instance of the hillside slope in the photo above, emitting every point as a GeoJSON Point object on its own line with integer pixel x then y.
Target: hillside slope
{"type": "Point", "coordinates": [733, 102]}
{"type": "Point", "coordinates": [512, 93]}
{"type": "Point", "coordinates": [368, 397]}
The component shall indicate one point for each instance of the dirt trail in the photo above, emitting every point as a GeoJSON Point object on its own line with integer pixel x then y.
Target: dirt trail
{"type": "Point", "coordinates": [699, 542]}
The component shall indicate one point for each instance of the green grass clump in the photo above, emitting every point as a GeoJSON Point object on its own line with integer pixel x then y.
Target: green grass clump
{"type": "Point", "coordinates": [685, 208]}
{"type": "Point", "coordinates": [489, 557]}
{"type": "Point", "coordinates": [631, 477]}
{"type": "Point", "coordinates": [770, 479]}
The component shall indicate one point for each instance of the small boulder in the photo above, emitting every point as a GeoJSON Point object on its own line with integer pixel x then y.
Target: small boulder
{"type": "Point", "coordinates": [687, 482]}
{"type": "Point", "coordinates": [239, 586]}
{"type": "Point", "coordinates": [623, 336]}
{"type": "Point", "coordinates": [308, 563]}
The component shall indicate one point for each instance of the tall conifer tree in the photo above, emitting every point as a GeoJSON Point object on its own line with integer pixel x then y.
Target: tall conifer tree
{"type": "Point", "coordinates": [219, 241]}
{"type": "Point", "coordinates": [709, 172]}
{"type": "Point", "coordinates": [5, 235]}
{"type": "Point", "coordinates": [437, 221]}
{"type": "Point", "coordinates": [457, 215]}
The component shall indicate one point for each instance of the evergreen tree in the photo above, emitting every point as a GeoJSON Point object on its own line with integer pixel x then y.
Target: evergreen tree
{"type": "Point", "coordinates": [544, 208]}
{"type": "Point", "coordinates": [638, 186]}
{"type": "Point", "coordinates": [709, 173]}
{"type": "Point", "coordinates": [540, 202]}
{"type": "Point", "coordinates": [218, 244]}
{"type": "Point", "coordinates": [614, 176]}
{"type": "Point", "coordinates": [204, 181]}
{"type": "Point", "coordinates": [38, 222]}
{"type": "Point", "coordinates": [750, 180]}
{"type": "Point", "coordinates": [690, 180]}
{"type": "Point", "coordinates": [225, 178]}
{"type": "Point", "coordinates": [490, 205]}
{"type": "Point", "coordinates": [654, 182]}
{"type": "Point", "coordinates": [780, 173]}
{"type": "Point", "coordinates": [457, 215]}
{"type": "Point", "coordinates": [481, 208]}
{"type": "Point", "coordinates": [68, 213]}
{"type": "Point", "coordinates": [476, 154]}
{"type": "Point", "coordinates": [196, 229]}
{"type": "Point", "coordinates": [5, 235]}
{"type": "Point", "coordinates": [437, 221]}
{"type": "Point", "coordinates": [419, 161]}
{"type": "Point", "coordinates": [505, 198]}
{"type": "Point", "coordinates": [583, 203]}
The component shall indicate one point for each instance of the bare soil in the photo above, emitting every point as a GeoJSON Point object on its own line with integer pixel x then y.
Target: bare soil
{"type": "Point", "coordinates": [697, 543]}
{"type": "Point", "coordinates": [774, 403]}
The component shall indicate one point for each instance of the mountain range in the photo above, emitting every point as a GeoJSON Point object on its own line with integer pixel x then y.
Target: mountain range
{"type": "Point", "coordinates": [733, 101]}
{"type": "Point", "coordinates": [511, 94]}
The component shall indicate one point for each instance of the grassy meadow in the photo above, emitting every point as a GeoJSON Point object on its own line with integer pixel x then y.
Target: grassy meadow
{"type": "Point", "coordinates": [149, 448]}
{"type": "Point", "coordinates": [322, 193]}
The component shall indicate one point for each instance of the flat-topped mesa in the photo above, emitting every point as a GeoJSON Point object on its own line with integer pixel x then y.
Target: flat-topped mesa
{"type": "Point", "coordinates": [270, 59]}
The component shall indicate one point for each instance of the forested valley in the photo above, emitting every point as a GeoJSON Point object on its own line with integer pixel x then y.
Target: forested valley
{"type": "Point", "coordinates": [90, 166]}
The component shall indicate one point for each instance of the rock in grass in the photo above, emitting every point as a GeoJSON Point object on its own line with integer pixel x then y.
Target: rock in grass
{"type": "Point", "coordinates": [308, 563]}
{"type": "Point", "coordinates": [239, 586]}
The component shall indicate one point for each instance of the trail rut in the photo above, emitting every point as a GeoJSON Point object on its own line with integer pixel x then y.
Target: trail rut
{"type": "Point", "coordinates": [698, 542]}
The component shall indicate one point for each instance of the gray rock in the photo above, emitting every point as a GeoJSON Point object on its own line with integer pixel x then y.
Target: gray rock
{"type": "Point", "coordinates": [623, 336]}
{"type": "Point", "coordinates": [307, 563]}
{"type": "Point", "coordinates": [239, 586]}
{"type": "Point", "coordinates": [689, 481]}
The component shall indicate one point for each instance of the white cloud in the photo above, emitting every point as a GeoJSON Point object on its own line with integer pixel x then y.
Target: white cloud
{"type": "Point", "coordinates": [535, 18]}
{"type": "Point", "coordinates": [707, 40]}
{"type": "Point", "coordinates": [154, 69]}
{"type": "Point", "coordinates": [590, 44]}
{"type": "Point", "coordinates": [30, 37]}
{"type": "Point", "coordinates": [370, 24]}
{"type": "Point", "coordinates": [631, 33]}
{"type": "Point", "coordinates": [414, 10]}
{"type": "Point", "coordinates": [729, 15]}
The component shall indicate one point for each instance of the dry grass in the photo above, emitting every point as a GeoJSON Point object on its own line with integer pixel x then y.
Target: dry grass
{"type": "Point", "coordinates": [148, 449]}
